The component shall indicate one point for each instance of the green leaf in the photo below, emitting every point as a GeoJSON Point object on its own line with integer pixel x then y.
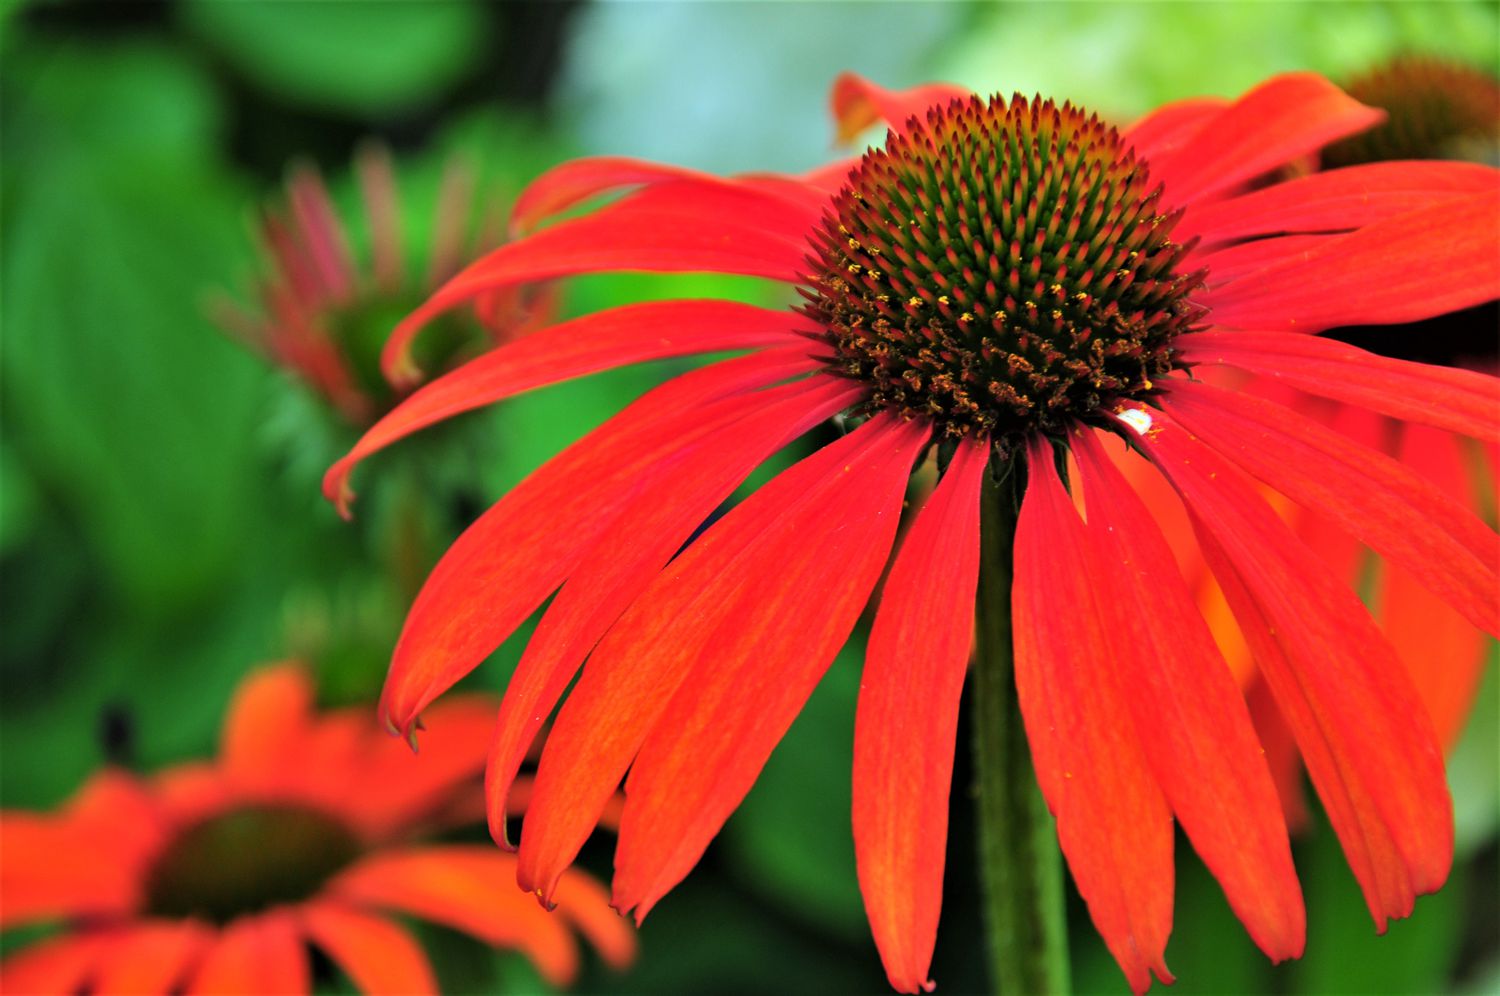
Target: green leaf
{"type": "Point", "coordinates": [358, 58]}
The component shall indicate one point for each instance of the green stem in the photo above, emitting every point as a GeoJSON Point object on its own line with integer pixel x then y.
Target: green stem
{"type": "Point", "coordinates": [1018, 856]}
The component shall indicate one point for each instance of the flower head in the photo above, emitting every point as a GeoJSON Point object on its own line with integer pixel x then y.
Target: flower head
{"type": "Point", "coordinates": [1437, 109]}
{"type": "Point", "coordinates": [1039, 281]}
{"type": "Point", "coordinates": [215, 876]}
{"type": "Point", "coordinates": [326, 297]}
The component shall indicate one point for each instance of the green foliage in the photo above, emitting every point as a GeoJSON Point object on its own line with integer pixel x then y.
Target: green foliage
{"type": "Point", "coordinates": [361, 58]}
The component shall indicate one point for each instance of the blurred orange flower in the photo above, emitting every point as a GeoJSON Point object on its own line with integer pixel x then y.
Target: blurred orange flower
{"type": "Point", "coordinates": [214, 877]}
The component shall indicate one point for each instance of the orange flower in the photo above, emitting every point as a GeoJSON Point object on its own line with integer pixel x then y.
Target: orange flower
{"type": "Point", "coordinates": [213, 877]}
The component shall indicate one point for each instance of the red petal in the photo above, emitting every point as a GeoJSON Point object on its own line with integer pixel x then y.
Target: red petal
{"type": "Point", "coordinates": [1191, 718]}
{"type": "Point", "coordinates": [857, 103]}
{"type": "Point", "coordinates": [1359, 724]}
{"type": "Point", "coordinates": [576, 181]}
{"type": "Point", "coordinates": [1279, 121]}
{"type": "Point", "coordinates": [152, 956]}
{"type": "Point", "coordinates": [600, 341]}
{"type": "Point", "coordinates": [627, 556]}
{"type": "Point", "coordinates": [256, 954]}
{"type": "Point", "coordinates": [585, 903]}
{"type": "Point", "coordinates": [1461, 400]}
{"type": "Point", "coordinates": [1112, 821]}
{"type": "Point", "coordinates": [1415, 265]}
{"type": "Point", "coordinates": [471, 889]}
{"type": "Point", "coordinates": [267, 722]}
{"type": "Point", "coordinates": [377, 955]}
{"type": "Point", "coordinates": [520, 550]}
{"type": "Point", "coordinates": [1225, 265]}
{"type": "Point", "coordinates": [57, 965]}
{"type": "Point", "coordinates": [1161, 132]}
{"type": "Point", "coordinates": [907, 721]}
{"type": "Point", "coordinates": [677, 226]}
{"type": "Point", "coordinates": [1444, 655]}
{"type": "Point", "coordinates": [762, 631]}
{"type": "Point", "coordinates": [631, 676]}
{"type": "Point", "coordinates": [1366, 493]}
{"type": "Point", "coordinates": [1339, 200]}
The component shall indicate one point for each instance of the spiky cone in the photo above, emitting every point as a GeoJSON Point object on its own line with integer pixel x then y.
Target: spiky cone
{"type": "Point", "coordinates": [306, 830]}
{"type": "Point", "coordinates": [698, 658]}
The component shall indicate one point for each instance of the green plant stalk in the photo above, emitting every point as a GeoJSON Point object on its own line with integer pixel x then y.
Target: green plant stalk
{"type": "Point", "coordinates": [1019, 861]}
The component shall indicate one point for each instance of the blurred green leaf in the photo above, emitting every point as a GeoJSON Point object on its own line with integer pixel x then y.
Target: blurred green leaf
{"type": "Point", "coordinates": [360, 58]}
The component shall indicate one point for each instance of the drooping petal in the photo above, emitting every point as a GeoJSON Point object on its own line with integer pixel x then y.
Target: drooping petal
{"type": "Point", "coordinates": [577, 180]}
{"type": "Point", "coordinates": [907, 721]}
{"type": "Point", "coordinates": [627, 683]}
{"type": "Point", "coordinates": [1364, 492]}
{"type": "Point", "coordinates": [491, 578]}
{"type": "Point", "coordinates": [50, 867]}
{"type": "Point", "coordinates": [1360, 726]}
{"type": "Point", "coordinates": [263, 953]}
{"type": "Point", "coordinates": [1191, 718]}
{"type": "Point", "coordinates": [378, 955]}
{"type": "Point", "coordinates": [1444, 654]}
{"type": "Point", "coordinates": [1161, 132]}
{"type": "Point", "coordinates": [632, 551]}
{"type": "Point", "coordinates": [1277, 122]}
{"type": "Point", "coordinates": [1337, 201]}
{"type": "Point", "coordinates": [677, 226]}
{"type": "Point", "coordinates": [1112, 821]}
{"type": "Point", "coordinates": [267, 721]}
{"type": "Point", "coordinates": [585, 903]}
{"type": "Point", "coordinates": [773, 620]}
{"type": "Point", "coordinates": [57, 965]}
{"type": "Point", "coordinates": [1368, 276]}
{"type": "Point", "coordinates": [857, 103]}
{"type": "Point", "coordinates": [153, 956]}
{"type": "Point", "coordinates": [600, 341]}
{"type": "Point", "coordinates": [1463, 401]}
{"type": "Point", "coordinates": [468, 888]}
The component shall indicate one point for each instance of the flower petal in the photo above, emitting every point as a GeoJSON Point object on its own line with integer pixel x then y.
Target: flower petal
{"type": "Point", "coordinates": [55, 867]}
{"type": "Point", "coordinates": [600, 341]}
{"type": "Point", "coordinates": [857, 103]}
{"type": "Point", "coordinates": [659, 519]}
{"type": "Point", "coordinates": [378, 955]}
{"type": "Point", "coordinates": [1463, 401]}
{"type": "Point", "coordinates": [1279, 121]}
{"type": "Point", "coordinates": [1339, 200]}
{"type": "Point", "coordinates": [907, 722]}
{"type": "Point", "coordinates": [1191, 718]}
{"type": "Point", "coordinates": [628, 681]}
{"type": "Point", "coordinates": [577, 180]}
{"type": "Point", "coordinates": [492, 577]}
{"type": "Point", "coordinates": [1362, 731]}
{"type": "Point", "coordinates": [1226, 265]}
{"type": "Point", "coordinates": [1368, 276]}
{"type": "Point", "coordinates": [765, 626]}
{"type": "Point", "coordinates": [268, 719]}
{"type": "Point", "coordinates": [152, 956]}
{"type": "Point", "coordinates": [57, 965]}
{"type": "Point", "coordinates": [255, 954]}
{"type": "Point", "coordinates": [1443, 653]}
{"type": "Point", "coordinates": [1112, 821]}
{"type": "Point", "coordinates": [1364, 492]}
{"type": "Point", "coordinates": [678, 226]}
{"type": "Point", "coordinates": [1161, 132]}
{"type": "Point", "coordinates": [468, 888]}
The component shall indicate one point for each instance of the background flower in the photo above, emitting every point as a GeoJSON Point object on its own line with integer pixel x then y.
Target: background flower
{"type": "Point", "coordinates": [214, 877]}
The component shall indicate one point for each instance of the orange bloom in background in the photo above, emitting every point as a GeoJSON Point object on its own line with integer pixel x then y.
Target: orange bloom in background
{"type": "Point", "coordinates": [327, 298]}
{"type": "Point", "coordinates": [1003, 279]}
{"type": "Point", "coordinates": [215, 877]}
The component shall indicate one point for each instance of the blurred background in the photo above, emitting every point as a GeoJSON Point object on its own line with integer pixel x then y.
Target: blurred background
{"type": "Point", "coordinates": [161, 528]}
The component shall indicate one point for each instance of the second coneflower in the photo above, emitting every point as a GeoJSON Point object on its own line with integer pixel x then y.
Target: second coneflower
{"type": "Point", "coordinates": [1003, 281]}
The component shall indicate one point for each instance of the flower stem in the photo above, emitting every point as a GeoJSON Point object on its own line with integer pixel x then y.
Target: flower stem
{"type": "Point", "coordinates": [1018, 856]}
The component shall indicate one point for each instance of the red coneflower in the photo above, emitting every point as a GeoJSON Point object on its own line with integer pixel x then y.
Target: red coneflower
{"type": "Point", "coordinates": [325, 298]}
{"type": "Point", "coordinates": [1001, 280]}
{"type": "Point", "coordinates": [214, 877]}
